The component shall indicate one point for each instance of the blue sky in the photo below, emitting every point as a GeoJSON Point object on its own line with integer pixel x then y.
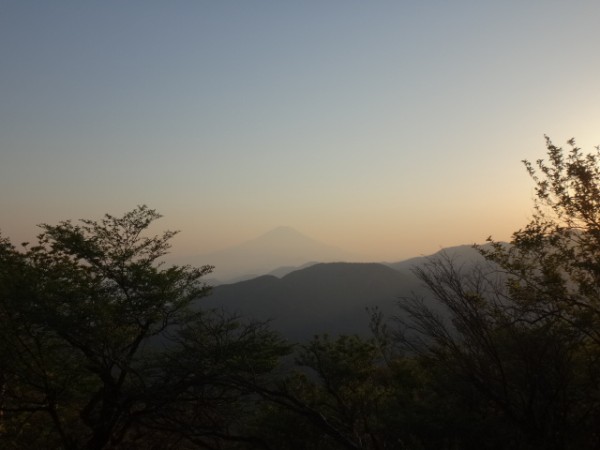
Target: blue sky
{"type": "Point", "coordinates": [390, 129]}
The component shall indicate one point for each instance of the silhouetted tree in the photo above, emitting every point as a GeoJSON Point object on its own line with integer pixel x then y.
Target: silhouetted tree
{"type": "Point", "coordinates": [350, 392]}
{"type": "Point", "coordinates": [101, 346]}
{"type": "Point", "coordinates": [519, 339]}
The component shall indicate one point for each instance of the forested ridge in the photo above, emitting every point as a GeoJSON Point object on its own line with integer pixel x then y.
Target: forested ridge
{"type": "Point", "coordinates": [102, 346]}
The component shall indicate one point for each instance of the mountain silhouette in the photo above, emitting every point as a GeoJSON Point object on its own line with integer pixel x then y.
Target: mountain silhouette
{"type": "Point", "coordinates": [461, 255]}
{"type": "Point", "coordinates": [276, 249]}
{"type": "Point", "coordinates": [332, 297]}
{"type": "Point", "coordinates": [322, 298]}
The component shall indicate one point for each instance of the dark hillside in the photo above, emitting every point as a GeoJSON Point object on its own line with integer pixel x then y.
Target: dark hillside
{"type": "Point", "coordinates": [462, 255]}
{"type": "Point", "coordinates": [327, 297]}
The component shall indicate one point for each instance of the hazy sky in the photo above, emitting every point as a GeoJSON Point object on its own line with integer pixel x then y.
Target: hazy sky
{"type": "Point", "coordinates": [387, 128]}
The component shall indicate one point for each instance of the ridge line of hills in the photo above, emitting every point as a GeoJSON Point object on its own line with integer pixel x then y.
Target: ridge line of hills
{"type": "Point", "coordinates": [278, 252]}
{"type": "Point", "coordinates": [329, 297]}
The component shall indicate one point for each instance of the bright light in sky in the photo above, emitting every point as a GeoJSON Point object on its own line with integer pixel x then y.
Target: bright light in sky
{"type": "Point", "coordinates": [389, 128]}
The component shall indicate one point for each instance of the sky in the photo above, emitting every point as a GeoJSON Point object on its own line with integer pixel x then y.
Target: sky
{"type": "Point", "coordinates": [390, 129]}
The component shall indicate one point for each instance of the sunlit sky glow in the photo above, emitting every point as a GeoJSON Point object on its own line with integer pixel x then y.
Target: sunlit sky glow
{"type": "Point", "coordinates": [387, 128]}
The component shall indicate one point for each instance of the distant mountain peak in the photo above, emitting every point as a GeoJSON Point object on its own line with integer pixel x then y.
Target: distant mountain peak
{"type": "Point", "coordinates": [280, 246]}
{"type": "Point", "coordinates": [284, 234]}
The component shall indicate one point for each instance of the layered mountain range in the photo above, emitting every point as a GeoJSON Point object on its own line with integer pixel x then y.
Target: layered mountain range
{"type": "Point", "coordinates": [281, 249]}
{"type": "Point", "coordinates": [302, 298]}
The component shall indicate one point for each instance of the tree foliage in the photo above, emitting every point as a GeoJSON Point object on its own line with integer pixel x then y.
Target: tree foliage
{"type": "Point", "coordinates": [351, 392]}
{"type": "Point", "coordinates": [102, 346]}
{"type": "Point", "coordinates": [520, 339]}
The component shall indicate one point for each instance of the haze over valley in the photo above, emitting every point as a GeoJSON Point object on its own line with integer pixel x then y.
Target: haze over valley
{"type": "Point", "coordinates": [305, 288]}
{"type": "Point", "coordinates": [277, 249]}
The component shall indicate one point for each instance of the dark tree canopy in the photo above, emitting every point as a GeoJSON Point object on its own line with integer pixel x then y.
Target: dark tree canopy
{"type": "Point", "coordinates": [520, 336]}
{"type": "Point", "coordinates": [102, 346]}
